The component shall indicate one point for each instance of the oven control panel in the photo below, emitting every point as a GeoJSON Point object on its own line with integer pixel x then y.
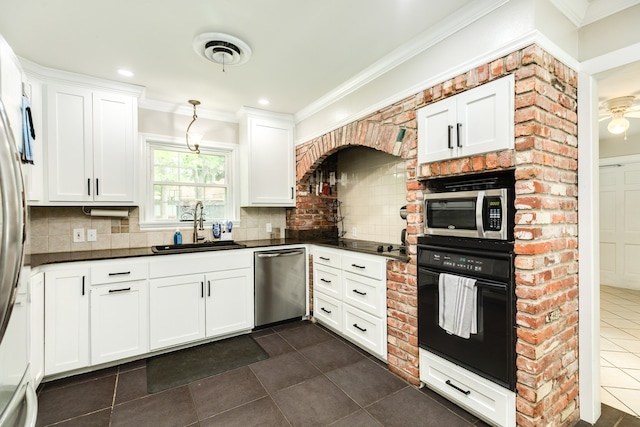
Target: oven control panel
{"type": "Point", "coordinates": [465, 263]}
{"type": "Point", "coordinates": [460, 262]}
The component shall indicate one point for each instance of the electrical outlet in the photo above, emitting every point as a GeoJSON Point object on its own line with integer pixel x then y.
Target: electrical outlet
{"type": "Point", "coordinates": [91, 235]}
{"type": "Point", "coordinates": [354, 232]}
{"type": "Point", "coordinates": [269, 229]}
{"type": "Point", "coordinates": [78, 235]}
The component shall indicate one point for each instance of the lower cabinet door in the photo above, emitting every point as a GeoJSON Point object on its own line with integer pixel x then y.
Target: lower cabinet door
{"type": "Point", "coordinates": [176, 310]}
{"type": "Point", "coordinates": [229, 296]}
{"type": "Point", "coordinates": [66, 320]}
{"type": "Point", "coordinates": [119, 321]}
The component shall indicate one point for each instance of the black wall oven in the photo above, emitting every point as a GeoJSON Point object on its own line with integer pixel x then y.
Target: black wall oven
{"type": "Point", "coordinates": [490, 352]}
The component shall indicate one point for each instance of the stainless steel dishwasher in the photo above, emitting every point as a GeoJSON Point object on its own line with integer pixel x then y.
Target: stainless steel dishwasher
{"type": "Point", "coordinates": [280, 285]}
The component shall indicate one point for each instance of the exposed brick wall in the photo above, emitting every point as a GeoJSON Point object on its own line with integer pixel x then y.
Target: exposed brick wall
{"type": "Point", "coordinates": [545, 164]}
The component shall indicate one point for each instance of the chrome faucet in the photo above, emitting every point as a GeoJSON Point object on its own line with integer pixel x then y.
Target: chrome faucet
{"type": "Point", "coordinates": [198, 225]}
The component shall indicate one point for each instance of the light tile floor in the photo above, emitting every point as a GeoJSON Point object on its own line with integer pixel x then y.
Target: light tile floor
{"type": "Point", "coordinates": [620, 348]}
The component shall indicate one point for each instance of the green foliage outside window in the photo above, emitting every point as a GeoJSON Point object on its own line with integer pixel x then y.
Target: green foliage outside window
{"type": "Point", "coordinates": [180, 179]}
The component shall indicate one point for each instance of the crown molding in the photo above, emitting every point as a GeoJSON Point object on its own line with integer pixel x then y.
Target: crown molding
{"type": "Point", "coordinates": [429, 38]}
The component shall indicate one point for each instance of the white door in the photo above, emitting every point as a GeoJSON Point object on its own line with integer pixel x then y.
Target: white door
{"type": "Point", "coordinates": [271, 144]}
{"type": "Point", "coordinates": [66, 320]}
{"type": "Point", "coordinates": [113, 147]}
{"type": "Point", "coordinates": [69, 147]}
{"type": "Point", "coordinates": [437, 131]}
{"type": "Point", "coordinates": [619, 225]}
{"type": "Point", "coordinates": [229, 301]}
{"type": "Point", "coordinates": [119, 321]}
{"type": "Point", "coordinates": [486, 117]}
{"type": "Point", "coordinates": [176, 310]}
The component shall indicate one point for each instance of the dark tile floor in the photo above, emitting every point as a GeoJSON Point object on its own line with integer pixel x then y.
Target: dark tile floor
{"type": "Point", "coordinates": [312, 378]}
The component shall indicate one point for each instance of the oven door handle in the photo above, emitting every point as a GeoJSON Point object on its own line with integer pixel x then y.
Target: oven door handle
{"type": "Point", "coordinates": [479, 209]}
{"type": "Point", "coordinates": [500, 287]}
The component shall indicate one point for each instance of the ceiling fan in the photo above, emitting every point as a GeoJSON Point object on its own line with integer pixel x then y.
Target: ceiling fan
{"type": "Point", "coordinates": [619, 110]}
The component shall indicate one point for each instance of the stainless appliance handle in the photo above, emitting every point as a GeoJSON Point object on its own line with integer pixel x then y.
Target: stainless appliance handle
{"type": "Point", "coordinates": [13, 220]}
{"type": "Point", "coordinates": [32, 406]}
{"type": "Point", "coordinates": [277, 254]}
{"type": "Point", "coordinates": [479, 206]}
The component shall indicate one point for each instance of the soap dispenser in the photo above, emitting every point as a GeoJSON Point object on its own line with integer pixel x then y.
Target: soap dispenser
{"type": "Point", "coordinates": [177, 238]}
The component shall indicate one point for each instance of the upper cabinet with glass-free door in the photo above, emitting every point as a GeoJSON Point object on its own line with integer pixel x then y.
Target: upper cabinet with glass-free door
{"type": "Point", "coordinates": [90, 144]}
{"type": "Point", "coordinates": [267, 159]}
{"type": "Point", "coordinates": [476, 121]}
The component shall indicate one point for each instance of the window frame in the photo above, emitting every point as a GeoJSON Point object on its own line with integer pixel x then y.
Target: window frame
{"type": "Point", "coordinates": [146, 202]}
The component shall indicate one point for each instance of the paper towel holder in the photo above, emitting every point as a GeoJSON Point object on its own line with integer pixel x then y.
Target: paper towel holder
{"type": "Point", "coordinates": [117, 213]}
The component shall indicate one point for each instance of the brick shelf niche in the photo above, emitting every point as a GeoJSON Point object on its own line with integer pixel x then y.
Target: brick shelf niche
{"type": "Point", "coordinates": [545, 164]}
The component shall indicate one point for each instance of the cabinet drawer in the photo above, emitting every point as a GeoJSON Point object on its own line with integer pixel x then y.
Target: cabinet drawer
{"type": "Point", "coordinates": [373, 267]}
{"type": "Point", "coordinates": [365, 293]}
{"type": "Point", "coordinates": [113, 272]}
{"type": "Point", "coordinates": [328, 311]}
{"type": "Point", "coordinates": [326, 257]}
{"type": "Point", "coordinates": [327, 280]}
{"type": "Point", "coordinates": [478, 395]}
{"type": "Point", "coordinates": [366, 330]}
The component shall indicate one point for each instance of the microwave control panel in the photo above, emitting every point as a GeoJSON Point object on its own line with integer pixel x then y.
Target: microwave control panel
{"type": "Point", "coordinates": [493, 214]}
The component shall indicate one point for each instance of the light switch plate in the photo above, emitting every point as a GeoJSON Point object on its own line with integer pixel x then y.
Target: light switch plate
{"type": "Point", "coordinates": [91, 235]}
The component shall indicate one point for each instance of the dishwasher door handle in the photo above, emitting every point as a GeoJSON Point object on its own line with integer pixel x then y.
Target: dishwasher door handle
{"type": "Point", "coordinates": [277, 254]}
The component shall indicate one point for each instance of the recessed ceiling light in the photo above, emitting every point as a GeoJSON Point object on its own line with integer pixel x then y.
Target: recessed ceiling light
{"type": "Point", "coordinates": [263, 101]}
{"type": "Point", "coordinates": [125, 73]}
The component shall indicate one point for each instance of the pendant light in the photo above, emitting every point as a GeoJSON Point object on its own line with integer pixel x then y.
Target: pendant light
{"type": "Point", "coordinates": [197, 138]}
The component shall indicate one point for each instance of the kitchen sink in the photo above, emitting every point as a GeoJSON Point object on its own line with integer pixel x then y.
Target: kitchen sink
{"type": "Point", "coordinates": [197, 247]}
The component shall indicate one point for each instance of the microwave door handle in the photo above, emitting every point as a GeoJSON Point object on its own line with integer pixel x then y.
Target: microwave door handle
{"type": "Point", "coordinates": [479, 208]}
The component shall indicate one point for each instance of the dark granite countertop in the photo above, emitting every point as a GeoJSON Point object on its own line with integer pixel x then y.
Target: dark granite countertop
{"type": "Point", "coordinates": [360, 246]}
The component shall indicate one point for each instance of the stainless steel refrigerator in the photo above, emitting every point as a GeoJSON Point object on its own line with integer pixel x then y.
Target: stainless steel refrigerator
{"type": "Point", "coordinates": [18, 401]}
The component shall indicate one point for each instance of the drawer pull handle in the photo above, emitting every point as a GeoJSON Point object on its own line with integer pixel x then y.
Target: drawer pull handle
{"type": "Point", "coordinates": [325, 258]}
{"type": "Point", "coordinates": [359, 293]}
{"type": "Point", "coordinates": [325, 280]}
{"type": "Point", "coordinates": [325, 310]}
{"type": "Point", "coordinates": [357, 266]}
{"type": "Point", "coordinates": [111, 291]}
{"type": "Point", "coordinates": [124, 273]}
{"type": "Point", "coordinates": [467, 392]}
{"type": "Point", "coordinates": [355, 325]}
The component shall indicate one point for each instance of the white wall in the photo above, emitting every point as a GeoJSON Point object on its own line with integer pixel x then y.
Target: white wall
{"type": "Point", "coordinates": [515, 24]}
{"type": "Point", "coordinates": [617, 146]}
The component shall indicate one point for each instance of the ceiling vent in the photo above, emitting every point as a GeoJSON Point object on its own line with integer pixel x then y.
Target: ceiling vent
{"type": "Point", "coordinates": [222, 49]}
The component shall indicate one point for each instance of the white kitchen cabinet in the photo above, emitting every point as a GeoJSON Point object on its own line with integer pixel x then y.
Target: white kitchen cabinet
{"type": "Point", "coordinates": [267, 159]}
{"type": "Point", "coordinates": [119, 321]}
{"type": "Point", "coordinates": [90, 145]}
{"type": "Point", "coordinates": [176, 310]}
{"type": "Point", "coordinates": [476, 121]}
{"type": "Point", "coordinates": [350, 296]}
{"type": "Point", "coordinates": [66, 326]}
{"type": "Point", "coordinates": [215, 300]}
{"type": "Point", "coordinates": [119, 310]}
{"type": "Point", "coordinates": [494, 404]}
{"type": "Point", "coordinates": [229, 302]}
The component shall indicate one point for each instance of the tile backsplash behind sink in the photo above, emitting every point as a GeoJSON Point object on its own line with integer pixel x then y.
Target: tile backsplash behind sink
{"type": "Point", "coordinates": [51, 229]}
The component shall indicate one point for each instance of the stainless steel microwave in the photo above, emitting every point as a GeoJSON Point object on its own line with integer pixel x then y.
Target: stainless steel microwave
{"type": "Point", "coordinates": [480, 214]}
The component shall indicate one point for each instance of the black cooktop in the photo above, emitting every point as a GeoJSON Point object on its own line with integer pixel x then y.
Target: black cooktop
{"type": "Point", "coordinates": [365, 246]}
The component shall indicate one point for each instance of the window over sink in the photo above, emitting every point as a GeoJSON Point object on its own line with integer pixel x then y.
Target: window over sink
{"type": "Point", "coordinates": [177, 178]}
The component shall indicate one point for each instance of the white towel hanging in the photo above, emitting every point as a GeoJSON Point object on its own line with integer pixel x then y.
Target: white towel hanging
{"type": "Point", "coordinates": [457, 305]}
